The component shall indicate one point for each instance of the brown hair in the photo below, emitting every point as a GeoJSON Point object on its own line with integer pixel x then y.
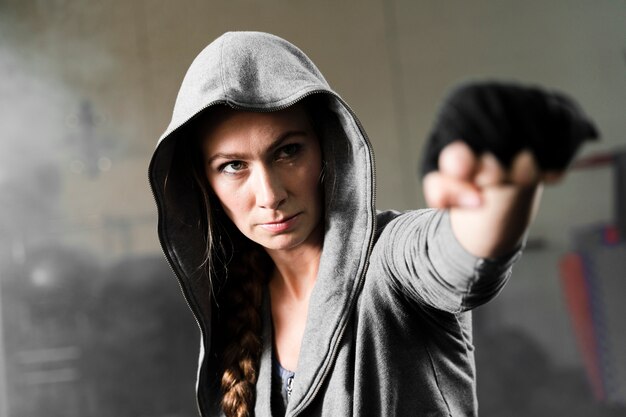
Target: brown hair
{"type": "Point", "coordinates": [238, 269]}
{"type": "Point", "coordinates": [243, 333]}
{"type": "Point", "coordinates": [246, 267]}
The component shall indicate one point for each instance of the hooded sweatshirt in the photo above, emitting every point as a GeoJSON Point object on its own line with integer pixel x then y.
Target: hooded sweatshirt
{"type": "Point", "coordinates": [388, 331]}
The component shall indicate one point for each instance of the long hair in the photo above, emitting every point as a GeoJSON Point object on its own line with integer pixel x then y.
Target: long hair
{"type": "Point", "coordinates": [246, 268]}
{"type": "Point", "coordinates": [238, 269]}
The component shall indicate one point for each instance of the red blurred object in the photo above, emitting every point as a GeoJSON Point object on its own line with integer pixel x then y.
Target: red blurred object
{"type": "Point", "coordinates": [594, 161]}
{"type": "Point", "coordinates": [578, 298]}
{"type": "Point", "coordinates": [611, 235]}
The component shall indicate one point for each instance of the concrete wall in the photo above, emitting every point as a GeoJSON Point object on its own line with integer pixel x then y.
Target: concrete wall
{"type": "Point", "coordinates": [87, 87]}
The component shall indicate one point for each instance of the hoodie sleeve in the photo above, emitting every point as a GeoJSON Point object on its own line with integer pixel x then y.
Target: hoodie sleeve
{"type": "Point", "coordinates": [420, 256]}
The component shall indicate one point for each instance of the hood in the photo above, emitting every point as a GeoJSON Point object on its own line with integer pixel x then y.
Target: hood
{"type": "Point", "coordinates": [261, 72]}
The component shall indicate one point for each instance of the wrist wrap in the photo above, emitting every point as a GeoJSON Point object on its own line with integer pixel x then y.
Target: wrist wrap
{"type": "Point", "coordinates": [504, 119]}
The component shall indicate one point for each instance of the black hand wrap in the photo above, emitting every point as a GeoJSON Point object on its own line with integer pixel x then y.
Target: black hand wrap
{"type": "Point", "coordinates": [506, 118]}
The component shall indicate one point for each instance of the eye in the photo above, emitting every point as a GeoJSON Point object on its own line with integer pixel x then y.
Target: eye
{"type": "Point", "coordinates": [288, 151]}
{"type": "Point", "coordinates": [232, 167]}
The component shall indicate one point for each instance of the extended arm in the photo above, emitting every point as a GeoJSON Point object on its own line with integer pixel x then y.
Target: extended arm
{"type": "Point", "coordinates": [491, 149]}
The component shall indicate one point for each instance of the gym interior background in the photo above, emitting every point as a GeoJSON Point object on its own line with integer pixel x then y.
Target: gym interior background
{"type": "Point", "coordinates": [92, 322]}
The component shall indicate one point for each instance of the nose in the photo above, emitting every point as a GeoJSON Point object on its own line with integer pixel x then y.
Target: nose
{"type": "Point", "coordinates": [269, 189]}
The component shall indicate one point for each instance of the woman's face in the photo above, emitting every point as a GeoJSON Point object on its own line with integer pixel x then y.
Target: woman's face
{"type": "Point", "coordinates": [265, 169]}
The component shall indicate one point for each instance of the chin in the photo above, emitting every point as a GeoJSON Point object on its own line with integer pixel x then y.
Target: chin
{"type": "Point", "coordinates": [281, 242]}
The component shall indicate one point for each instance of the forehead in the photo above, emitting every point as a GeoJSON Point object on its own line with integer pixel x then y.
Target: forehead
{"type": "Point", "coordinates": [235, 128]}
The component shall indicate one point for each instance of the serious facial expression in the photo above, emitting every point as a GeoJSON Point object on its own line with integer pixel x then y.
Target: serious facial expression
{"type": "Point", "coordinates": [265, 169]}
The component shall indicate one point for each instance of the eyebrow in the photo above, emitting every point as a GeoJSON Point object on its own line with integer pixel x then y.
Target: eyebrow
{"type": "Point", "coordinates": [276, 144]}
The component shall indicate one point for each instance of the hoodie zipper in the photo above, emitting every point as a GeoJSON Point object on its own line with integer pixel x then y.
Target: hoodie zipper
{"type": "Point", "coordinates": [168, 259]}
{"type": "Point", "coordinates": [334, 350]}
{"type": "Point", "coordinates": [182, 290]}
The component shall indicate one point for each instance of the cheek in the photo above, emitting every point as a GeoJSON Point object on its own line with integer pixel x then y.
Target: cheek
{"type": "Point", "coordinates": [313, 183]}
{"type": "Point", "coordinates": [316, 169]}
{"type": "Point", "coordinates": [229, 199]}
{"type": "Point", "coordinates": [311, 179]}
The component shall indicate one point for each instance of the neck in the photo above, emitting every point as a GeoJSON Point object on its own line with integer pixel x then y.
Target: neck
{"type": "Point", "coordinates": [295, 270]}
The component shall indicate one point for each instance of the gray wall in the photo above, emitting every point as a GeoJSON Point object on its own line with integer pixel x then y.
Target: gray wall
{"type": "Point", "coordinates": [87, 87]}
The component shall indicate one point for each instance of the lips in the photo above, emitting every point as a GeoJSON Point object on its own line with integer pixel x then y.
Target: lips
{"type": "Point", "coordinates": [281, 225]}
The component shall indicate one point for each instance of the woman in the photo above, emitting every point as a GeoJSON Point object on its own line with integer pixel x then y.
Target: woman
{"type": "Point", "coordinates": [309, 301]}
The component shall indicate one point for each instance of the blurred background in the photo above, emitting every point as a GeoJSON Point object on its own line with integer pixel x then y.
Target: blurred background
{"type": "Point", "coordinates": [92, 321]}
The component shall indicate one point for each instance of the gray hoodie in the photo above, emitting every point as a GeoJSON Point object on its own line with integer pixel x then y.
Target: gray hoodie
{"type": "Point", "coordinates": [389, 329]}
